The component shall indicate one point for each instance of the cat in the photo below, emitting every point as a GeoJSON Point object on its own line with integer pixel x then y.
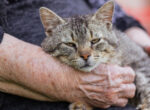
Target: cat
{"type": "Point", "coordinates": [84, 42]}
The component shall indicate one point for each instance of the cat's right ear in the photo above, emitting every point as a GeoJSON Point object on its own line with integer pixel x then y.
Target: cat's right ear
{"type": "Point", "coordinates": [49, 19]}
{"type": "Point", "coordinates": [105, 14]}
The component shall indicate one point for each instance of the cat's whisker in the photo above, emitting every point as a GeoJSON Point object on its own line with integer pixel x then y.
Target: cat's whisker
{"type": "Point", "coordinates": [73, 60]}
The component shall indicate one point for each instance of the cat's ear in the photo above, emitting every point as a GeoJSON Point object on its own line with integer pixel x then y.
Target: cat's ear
{"type": "Point", "coordinates": [49, 19]}
{"type": "Point", "coordinates": [105, 13]}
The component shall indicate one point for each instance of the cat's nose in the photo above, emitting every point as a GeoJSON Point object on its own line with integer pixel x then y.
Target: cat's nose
{"type": "Point", "coordinates": [85, 56]}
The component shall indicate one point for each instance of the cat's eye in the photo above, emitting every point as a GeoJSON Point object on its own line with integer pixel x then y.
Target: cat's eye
{"type": "Point", "coordinates": [94, 41]}
{"type": "Point", "coordinates": [71, 44]}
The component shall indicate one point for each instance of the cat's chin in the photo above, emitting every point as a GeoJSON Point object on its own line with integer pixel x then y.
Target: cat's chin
{"type": "Point", "coordinates": [86, 69]}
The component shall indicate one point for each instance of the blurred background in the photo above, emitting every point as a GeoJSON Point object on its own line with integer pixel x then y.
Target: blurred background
{"type": "Point", "coordinates": [138, 9]}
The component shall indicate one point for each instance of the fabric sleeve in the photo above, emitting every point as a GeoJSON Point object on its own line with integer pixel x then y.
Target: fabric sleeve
{"type": "Point", "coordinates": [120, 19]}
{"type": "Point", "coordinates": [1, 34]}
{"type": "Point", "coordinates": [3, 19]}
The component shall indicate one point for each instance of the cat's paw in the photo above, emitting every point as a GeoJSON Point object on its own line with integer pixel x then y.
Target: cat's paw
{"type": "Point", "coordinates": [144, 106]}
{"type": "Point", "coordinates": [79, 106]}
{"type": "Point", "coordinates": [140, 107]}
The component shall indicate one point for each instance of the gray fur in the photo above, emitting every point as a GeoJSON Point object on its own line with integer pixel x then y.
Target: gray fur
{"type": "Point", "coordinates": [110, 46]}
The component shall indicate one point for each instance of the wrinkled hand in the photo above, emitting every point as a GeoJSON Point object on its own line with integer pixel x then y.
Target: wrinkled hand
{"type": "Point", "coordinates": [107, 85]}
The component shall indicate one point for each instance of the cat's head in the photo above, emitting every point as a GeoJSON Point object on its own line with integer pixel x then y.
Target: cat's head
{"type": "Point", "coordinates": [82, 42]}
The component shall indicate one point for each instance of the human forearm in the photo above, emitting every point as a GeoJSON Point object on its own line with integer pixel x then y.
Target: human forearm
{"type": "Point", "coordinates": [27, 65]}
{"type": "Point", "coordinates": [1, 34]}
{"type": "Point", "coordinates": [16, 89]}
{"type": "Point", "coordinates": [9, 86]}
{"type": "Point", "coordinates": [140, 37]}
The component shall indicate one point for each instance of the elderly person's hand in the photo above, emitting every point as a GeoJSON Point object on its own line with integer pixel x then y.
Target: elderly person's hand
{"type": "Point", "coordinates": [108, 85]}
{"type": "Point", "coordinates": [26, 70]}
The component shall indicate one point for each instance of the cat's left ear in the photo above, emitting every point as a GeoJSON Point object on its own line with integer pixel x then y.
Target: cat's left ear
{"type": "Point", "coordinates": [105, 13]}
{"type": "Point", "coordinates": [50, 20]}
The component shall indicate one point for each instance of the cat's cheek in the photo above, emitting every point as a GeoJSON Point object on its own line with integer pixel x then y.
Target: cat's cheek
{"type": "Point", "coordinates": [94, 62]}
{"type": "Point", "coordinates": [64, 52]}
{"type": "Point", "coordinates": [55, 53]}
{"type": "Point", "coordinates": [91, 61]}
{"type": "Point", "coordinates": [104, 58]}
{"type": "Point", "coordinates": [64, 59]}
{"type": "Point", "coordinates": [79, 63]}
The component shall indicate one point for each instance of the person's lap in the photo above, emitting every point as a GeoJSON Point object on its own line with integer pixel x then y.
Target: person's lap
{"type": "Point", "coordinates": [8, 101]}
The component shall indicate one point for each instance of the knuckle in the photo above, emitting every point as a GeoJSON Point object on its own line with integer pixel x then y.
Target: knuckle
{"type": "Point", "coordinates": [123, 87]}
{"type": "Point", "coordinates": [133, 91]}
{"type": "Point", "coordinates": [133, 87]}
{"type": "Point", "coordinates": [132, 77]}
{"type": "Point", "coordinates": [111, 97]}
{"type": "Point", "coordinates": [131, 72]}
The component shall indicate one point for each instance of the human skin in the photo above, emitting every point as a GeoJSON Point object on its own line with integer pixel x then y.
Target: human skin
{"type": "Point", "coordinates": [140, 36]}
{"type": "Point", "coordinates": [139, 9]}
{"type": "Point", "coordinates": [26, 70]}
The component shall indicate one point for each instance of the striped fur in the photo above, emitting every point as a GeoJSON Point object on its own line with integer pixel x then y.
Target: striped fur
{"type": "Point", "coordinates": [71, 40]}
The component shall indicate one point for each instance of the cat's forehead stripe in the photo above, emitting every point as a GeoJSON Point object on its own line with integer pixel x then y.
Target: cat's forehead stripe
{"type": "Point", "coordinates": [79, 26]}
{"type": "Point", "coordinates": [72, 36]}
{"type": "Point", "coordinates": [91, 34]}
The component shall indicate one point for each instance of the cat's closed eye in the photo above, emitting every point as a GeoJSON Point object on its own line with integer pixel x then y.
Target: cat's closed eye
{"type": "Point", "coordinates": [94, 41]}
{"type": "Point", "coordinates": [70, 44]}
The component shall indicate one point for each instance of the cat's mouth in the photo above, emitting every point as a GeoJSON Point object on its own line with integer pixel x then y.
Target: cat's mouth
{"type": "Point", "coordinates": [86, 68]}
{"type": "Point", "coordinates": [85, 65]}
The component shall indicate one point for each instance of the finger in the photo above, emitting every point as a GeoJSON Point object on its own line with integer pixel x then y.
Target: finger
{"type": "Point", "coordinates": [90, 88]}
{"type": "Point", "coordinates": [98, 104]}
{"type": "Point", "coordinates": [100, 89]}
{"type": "Point", "coordinates": [121, 102]}
{"type": "Point", "coordinates": [128, 91]}
{"type": "Point", "coordinates": [127, 75]}
{"type": "Point", "coordinates": [105, 106]}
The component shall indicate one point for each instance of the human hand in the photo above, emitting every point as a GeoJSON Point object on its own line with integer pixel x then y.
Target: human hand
{"type": "Point", "coordinates": [107, 85]}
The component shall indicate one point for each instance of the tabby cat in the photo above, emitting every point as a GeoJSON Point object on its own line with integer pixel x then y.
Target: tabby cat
{"type": "Point", "coordinates": [84, 42]}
